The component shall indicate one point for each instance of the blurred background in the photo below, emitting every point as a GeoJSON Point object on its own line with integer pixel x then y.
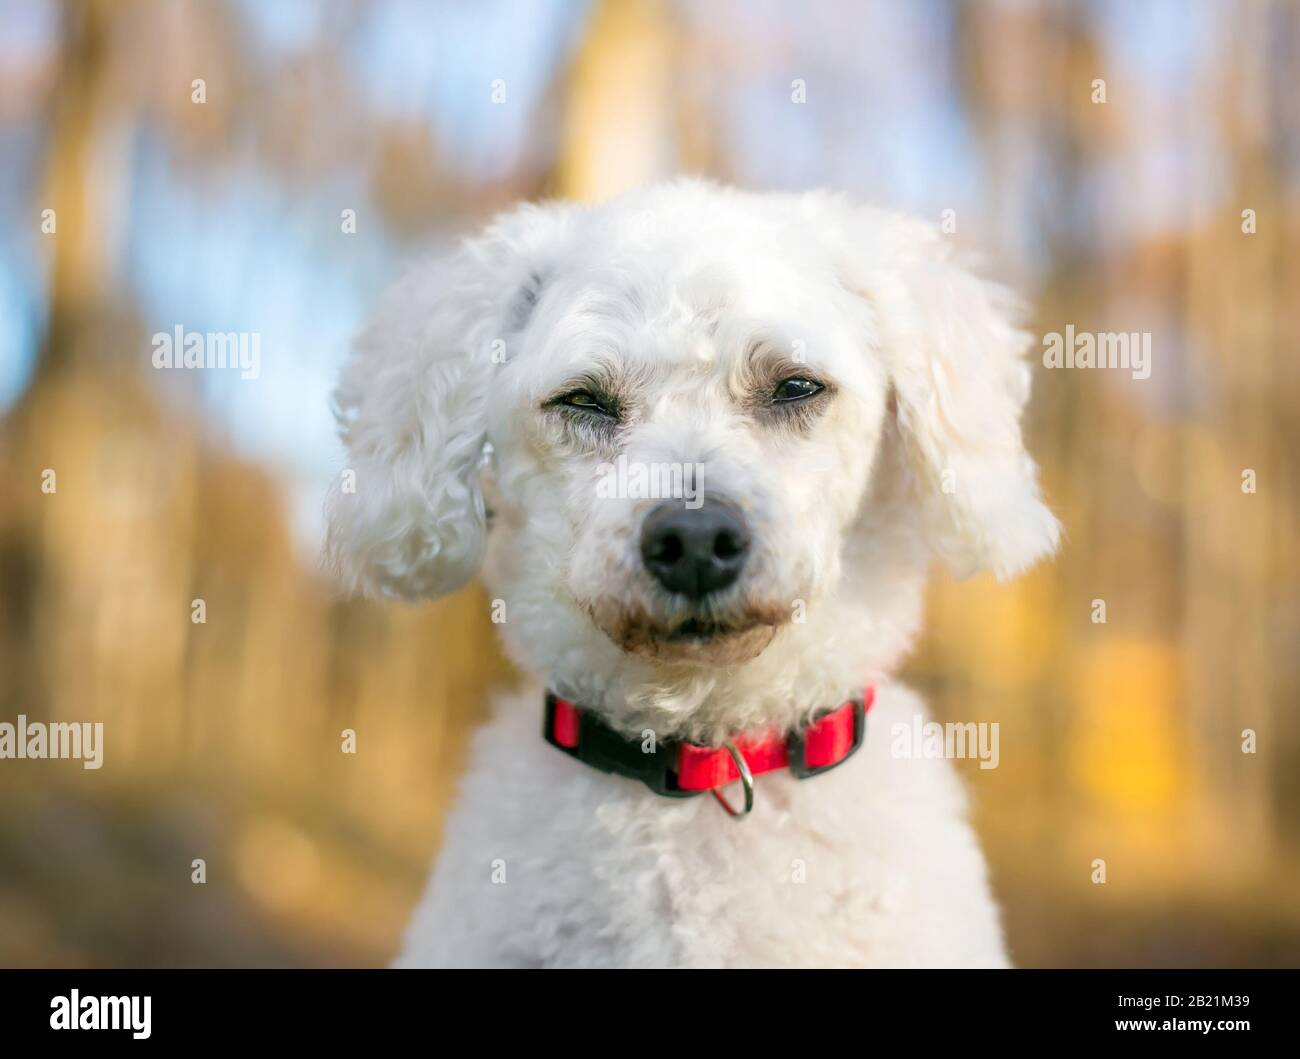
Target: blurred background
{"type": "Point", "coordinates": [199, 158]}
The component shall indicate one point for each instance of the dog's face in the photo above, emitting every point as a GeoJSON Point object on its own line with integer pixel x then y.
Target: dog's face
{"type": "Point", "coordinates": [704, 420]}
{"type": "Point", "coordinates": [683, 431]}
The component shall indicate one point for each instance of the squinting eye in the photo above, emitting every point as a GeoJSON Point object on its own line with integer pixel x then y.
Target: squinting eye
{"type": "Point", "coordinates": [794, 389]}
{"type": "Point", "coordinates": [587, 401]}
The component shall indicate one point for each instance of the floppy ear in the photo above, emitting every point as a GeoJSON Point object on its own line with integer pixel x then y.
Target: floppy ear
{"type": "Point", "coordinates": [955, 358]}
{"type": "Point", "coordinates": [409, 520]}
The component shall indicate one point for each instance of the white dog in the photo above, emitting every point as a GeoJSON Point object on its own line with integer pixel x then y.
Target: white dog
{"type": "Point", "coordinates": [834, 399]}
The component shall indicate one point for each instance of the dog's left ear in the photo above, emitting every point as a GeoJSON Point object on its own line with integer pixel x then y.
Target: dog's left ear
{"type": "Point", "coordinates": [955, 360]}
{"type": "Point", "coordinates": [407, 519]}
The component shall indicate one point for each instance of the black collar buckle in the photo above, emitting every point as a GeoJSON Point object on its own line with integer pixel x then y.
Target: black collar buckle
{"type": "Point", "coordinates": [601, 747]}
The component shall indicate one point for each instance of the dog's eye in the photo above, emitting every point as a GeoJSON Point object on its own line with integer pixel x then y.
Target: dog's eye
{"type": "Point", "coordinates": [794, 389]}
{"type": "Point", "coordinates": [588, 402]}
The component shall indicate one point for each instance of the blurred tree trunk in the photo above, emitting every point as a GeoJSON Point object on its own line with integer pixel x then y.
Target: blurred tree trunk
{"type": "Point", "coordinates": [74, 188]}
{"type": "Point", "coordinates": [619, 127]}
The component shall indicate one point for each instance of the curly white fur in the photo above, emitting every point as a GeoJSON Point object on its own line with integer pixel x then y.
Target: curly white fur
{"type": "Point", "coordinates": [685, 301]}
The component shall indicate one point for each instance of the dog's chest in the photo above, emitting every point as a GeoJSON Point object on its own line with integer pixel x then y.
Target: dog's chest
{"type": "Point", "coordinates": [794, 883]}
{"type": "Point", "coordinates": [549, 863]}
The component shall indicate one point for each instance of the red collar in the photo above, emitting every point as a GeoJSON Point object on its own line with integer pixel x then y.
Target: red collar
{"type": "Point", "coordinates": [678, 769]}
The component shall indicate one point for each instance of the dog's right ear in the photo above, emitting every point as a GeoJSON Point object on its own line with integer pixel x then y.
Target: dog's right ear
{"type": "Point", "coordinates": [954, 353]}
{"type": "Point", "coordinates": [406, 517]}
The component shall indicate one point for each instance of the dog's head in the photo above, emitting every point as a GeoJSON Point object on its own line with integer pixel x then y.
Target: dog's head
{"type": "Point", "coordinates": [713, 430]}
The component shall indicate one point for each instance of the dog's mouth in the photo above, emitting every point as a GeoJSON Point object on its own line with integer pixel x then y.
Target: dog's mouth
{"type": "Point", "coordinates": [701, 630]}
{"type": "Point", "coordinates": [699, 638]}
{"type": "Point", "coordinates": [709, 642]}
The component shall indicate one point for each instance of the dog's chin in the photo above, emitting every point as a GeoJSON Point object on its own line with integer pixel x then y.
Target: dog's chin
{"type": "Point", "coordinates": [699, 641]}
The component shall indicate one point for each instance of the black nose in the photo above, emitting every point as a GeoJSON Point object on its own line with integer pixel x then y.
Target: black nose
{"type": "Point", "coordinates": [694, 551]}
